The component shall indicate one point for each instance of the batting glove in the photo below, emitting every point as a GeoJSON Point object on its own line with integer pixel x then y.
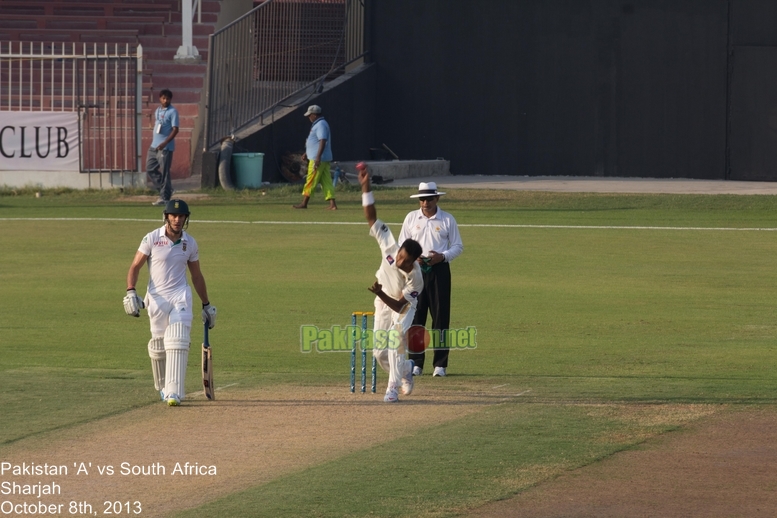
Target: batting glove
{"type": "Point", "coordinates": [209, 315]}
{"type": "Point", "coordinates": [133, 304]}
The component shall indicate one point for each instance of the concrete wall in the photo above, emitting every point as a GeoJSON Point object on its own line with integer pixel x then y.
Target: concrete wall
{"type": "Point", "coordinates": [752, 142]}
{"type": "Point", "coordinates": [630, 88]}
{"type": "Point", "coordinates": [620, 88]}
{"type": "Point", "coordinates": [555, 87]}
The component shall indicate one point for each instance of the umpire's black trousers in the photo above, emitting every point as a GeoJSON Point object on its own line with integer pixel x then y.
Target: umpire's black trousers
{"type": "Point", "coordinates": [436, 299]}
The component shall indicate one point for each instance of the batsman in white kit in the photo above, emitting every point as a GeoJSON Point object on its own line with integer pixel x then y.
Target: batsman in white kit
{"type": "Point", "coordinates": [169, 251]}
{"type": "Point", "coordinates": [399, 281]}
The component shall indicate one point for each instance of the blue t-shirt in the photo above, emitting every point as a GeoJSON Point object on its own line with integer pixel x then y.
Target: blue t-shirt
{"type": "Point", "coordinates": [165, 119]}
{"type": "Point", "coordinates": [319, 130]}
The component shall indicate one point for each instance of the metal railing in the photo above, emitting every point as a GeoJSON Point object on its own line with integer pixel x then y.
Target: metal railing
{"type": "Point", "coordinates": [275, 51]}
{"type": "Point", "coordinates": [102, 82]}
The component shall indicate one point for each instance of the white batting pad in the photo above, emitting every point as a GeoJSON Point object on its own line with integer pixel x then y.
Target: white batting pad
{"type": "Point", "coordinates": [156, 350]}
{"type": "Point", "coordinates": [177, 352]}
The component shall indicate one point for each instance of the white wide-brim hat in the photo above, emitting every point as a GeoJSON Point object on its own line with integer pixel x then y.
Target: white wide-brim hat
{"type": "Point", "coordinates": [427, 189]}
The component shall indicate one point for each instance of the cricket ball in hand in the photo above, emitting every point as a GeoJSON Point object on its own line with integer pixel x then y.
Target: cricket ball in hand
{"type": "Point", "coordinates": [361, 166]}
{"type": "Point", "coordinates": [418, 339]}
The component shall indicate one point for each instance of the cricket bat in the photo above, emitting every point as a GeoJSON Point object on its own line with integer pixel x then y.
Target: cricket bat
{"type": "Point", "coordinates": [207, 368]}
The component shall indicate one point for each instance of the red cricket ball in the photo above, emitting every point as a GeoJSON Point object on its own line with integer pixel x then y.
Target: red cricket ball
{"type": "Point", "coordinates": [361, 165]}
{"type": "Point", "coordinates": [418, 339]}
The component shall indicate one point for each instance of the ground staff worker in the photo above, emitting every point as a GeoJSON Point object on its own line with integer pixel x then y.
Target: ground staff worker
{"type": "Point", "coordinates": [318, 153]}
{"type": "Point", "coordinates": [160, 154]}
{"type": "Point", "coordinates": [169, 252]}
{"type": "Point", "coordinates": [438, 234]}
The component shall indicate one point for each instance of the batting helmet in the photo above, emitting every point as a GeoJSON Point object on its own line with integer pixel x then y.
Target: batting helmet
{"type": "Point", "coordinates": [177, 207]}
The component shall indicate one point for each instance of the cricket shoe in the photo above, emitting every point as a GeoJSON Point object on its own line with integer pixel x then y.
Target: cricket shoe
{"type": "Point", "coordinates": [418, 371]}
{"type": "Point", "coordinates": [172, 400]}
{"type": "Point", "coordinates": [162, 395]}
{"type": "Point", "coordinates": [391, 395]}
{"type": "Point", "coordinates": [439, 371]}
{"type": "Point", "coordinates": [407, 380]}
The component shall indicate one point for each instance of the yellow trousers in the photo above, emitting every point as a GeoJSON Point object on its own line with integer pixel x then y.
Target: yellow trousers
{"type": "Point", "coordinates": [321, 175]}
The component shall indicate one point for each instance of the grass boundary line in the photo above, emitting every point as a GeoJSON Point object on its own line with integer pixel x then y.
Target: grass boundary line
{"type": "Point", "coordinates": [481, 225]}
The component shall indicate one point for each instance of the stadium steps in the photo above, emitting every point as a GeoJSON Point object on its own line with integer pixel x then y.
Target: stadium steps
{"type": "Point", "coordinates": [154, 24]}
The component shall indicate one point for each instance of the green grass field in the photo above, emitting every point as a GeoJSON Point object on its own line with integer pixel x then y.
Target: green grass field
{"type": "Point", "coordinates": [580, 299]}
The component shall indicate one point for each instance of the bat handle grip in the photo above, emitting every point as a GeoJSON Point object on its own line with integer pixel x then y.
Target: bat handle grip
{"type": "Point", "coordinates": [206, 334]}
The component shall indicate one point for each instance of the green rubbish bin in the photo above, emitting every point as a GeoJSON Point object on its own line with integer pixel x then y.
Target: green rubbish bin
{"type": "Point", "coordinates": [248, 170]}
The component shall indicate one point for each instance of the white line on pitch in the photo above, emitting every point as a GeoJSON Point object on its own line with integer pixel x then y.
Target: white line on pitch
{"type": "Point", "coordinates": [192, 394]}
{"type": "Point", "coordinates": [500, 386]}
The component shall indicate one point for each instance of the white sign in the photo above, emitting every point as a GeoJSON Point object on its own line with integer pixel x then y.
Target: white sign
{"type": "Point", "coordinates": [39, 141]}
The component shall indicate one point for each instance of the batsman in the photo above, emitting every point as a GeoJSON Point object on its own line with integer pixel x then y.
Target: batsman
{"type": "Point", "coordinates": [169, 252]}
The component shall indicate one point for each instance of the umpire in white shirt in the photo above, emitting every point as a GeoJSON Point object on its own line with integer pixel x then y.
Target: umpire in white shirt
{"type": "Point", "coordinates": [438, 234]}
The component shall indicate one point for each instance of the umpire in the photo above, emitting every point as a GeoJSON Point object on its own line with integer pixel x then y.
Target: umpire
{"type": "Point", "coordinates": [438, 234]}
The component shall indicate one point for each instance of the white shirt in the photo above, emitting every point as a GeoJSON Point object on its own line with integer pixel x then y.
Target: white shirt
{"type": "Point", "coordinates": [439, 233]}
{"type": "Point", "coordinates": [396, 283]}
{"type": "Point", "coordinates": [168, 261]}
